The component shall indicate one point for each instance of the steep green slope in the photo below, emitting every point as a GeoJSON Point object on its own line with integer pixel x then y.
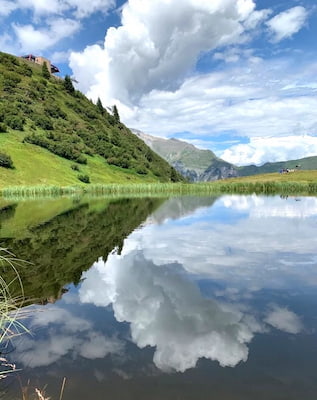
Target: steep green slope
{"type": "Point", "coordinates": [52, 134]}
{"type": "Point", "coordinates": [307, 163]}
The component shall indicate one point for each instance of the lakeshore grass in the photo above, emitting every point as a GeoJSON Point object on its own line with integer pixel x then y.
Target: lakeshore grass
{"type": "Point", "coordinates": [9, 305]}
{"type": "Point", "coordinates": [300, 182]}
{"type": "Point", "coordinates": [10, 310]}
{"type": "Point", "coordinates": [11, 314]}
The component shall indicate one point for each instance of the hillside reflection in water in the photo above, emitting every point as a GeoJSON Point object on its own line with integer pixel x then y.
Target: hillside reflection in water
{"type": "Point", "coordinates": [208, 296]}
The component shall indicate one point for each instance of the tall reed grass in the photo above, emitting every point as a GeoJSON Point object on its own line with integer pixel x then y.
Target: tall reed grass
{"type": "Point", "coordinates": [11, 314]}
{"type": "Point", "coordinates": [147, 189]}
{"type": "Point", "coordinates": [10, 309]}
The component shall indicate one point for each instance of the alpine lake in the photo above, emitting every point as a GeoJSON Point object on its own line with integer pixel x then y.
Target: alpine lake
{"type": "Point", "coordinates": [164, 298]}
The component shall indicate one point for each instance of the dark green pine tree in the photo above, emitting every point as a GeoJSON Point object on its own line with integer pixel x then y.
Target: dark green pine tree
{"type": "Point", "coordinates": [100, 106]}
{"type": "Point", "coordinates": [45, 72]}
{"type": "Point", "coordinates": [68, 84]}
{"type": "Point", "coordinates": [174, 177]}
{"type": "Point", "coordinates": [115, 113]}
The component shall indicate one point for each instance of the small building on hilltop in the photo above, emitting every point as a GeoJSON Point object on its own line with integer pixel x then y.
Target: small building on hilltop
{"type": "Point", "coordinates": [41, 60]}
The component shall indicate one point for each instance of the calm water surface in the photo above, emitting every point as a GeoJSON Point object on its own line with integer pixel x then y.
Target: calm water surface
{"type": "Point", "coordinates": [181, 298]}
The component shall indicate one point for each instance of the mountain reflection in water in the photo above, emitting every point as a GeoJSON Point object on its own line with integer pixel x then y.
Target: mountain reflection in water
{"type": "Point", "coordinates": [203, 284]}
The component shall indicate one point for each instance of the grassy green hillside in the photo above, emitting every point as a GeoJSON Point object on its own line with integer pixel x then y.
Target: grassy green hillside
{"type": "Point", "coordinates": [308, 163]}
{"type": "Point", "coordinates": [52, 134]}
{"type": "Point", "coordinates": [295, 183]}
{"type": "Point", "coordinates": [297, 176]}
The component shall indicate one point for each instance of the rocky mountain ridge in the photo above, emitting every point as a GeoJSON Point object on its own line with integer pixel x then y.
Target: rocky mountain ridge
{"type": "Point", "coordinates": [199, 165]}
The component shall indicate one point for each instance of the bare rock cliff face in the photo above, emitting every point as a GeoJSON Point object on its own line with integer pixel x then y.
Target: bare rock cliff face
{"type": "Point", "coordinates": [214, 173]}
{"type": "Point", "coordinates": [190, 174]}
{"type": "Point", "coordinates": [218, 170]}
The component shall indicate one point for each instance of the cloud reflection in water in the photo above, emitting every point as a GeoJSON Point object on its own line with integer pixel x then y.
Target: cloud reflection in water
{"type": "Point", "coordinates": [167, 311]}
{"type": "Point", "coordinates": [152, 285]}
{"type": "Point", "coordinates": [148, 287]}
{"type": "Point", "coordinates": [65, 334]}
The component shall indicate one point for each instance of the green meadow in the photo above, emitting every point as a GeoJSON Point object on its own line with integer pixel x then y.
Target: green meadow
{"type": "Point", "coordinates": [35, 165]}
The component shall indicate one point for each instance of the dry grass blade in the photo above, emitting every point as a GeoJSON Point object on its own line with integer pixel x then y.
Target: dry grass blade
{"type": "Point", "coordinates": [41, 395]}
{"type": "Point", "coordinates": [10, 308]}
{"type": "Point", "coordinates": [62, 389]}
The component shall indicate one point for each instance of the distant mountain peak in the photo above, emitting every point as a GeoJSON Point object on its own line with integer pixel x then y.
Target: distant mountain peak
{"type": "Point", "coordinates": [193, 163]}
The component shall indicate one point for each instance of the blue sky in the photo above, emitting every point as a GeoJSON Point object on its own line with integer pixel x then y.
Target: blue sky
{"type": "Point", "coordinates": [236, 76]}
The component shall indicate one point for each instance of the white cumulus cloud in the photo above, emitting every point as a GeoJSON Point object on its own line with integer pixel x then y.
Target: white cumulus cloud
{"type": "Point", "coordinates": [287, 23]}
{"type": "Point", "coordinates": [146, 66]}
{"type": "Point", "coordinates": [84, 8]}
{"type": "Point", "coordinates": [6, 7]}
{"type": "Point", "coordinates": [44, 8]}
{"type": "Point", "coordinates": [31, 39]}
{"type": "Point", "coordinates": [262, 149]}
{"type": "Point", "coordinates": [256, 99]}
{"type": "Point", "coordinates": [159, 43]}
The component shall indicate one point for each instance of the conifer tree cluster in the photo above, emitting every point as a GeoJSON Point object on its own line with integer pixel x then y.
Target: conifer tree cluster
{"type": "Point", "coordinates": [68, 84]}
{"type": "Point", "coordinates": [115, 113]}
{"type": "Point", "coordinates": [45, 72]}
{"type": "Point", "coordinates": [100, 106]}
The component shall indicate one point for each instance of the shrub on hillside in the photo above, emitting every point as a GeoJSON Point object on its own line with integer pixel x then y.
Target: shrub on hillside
{"type": "Point", "coordinates": [25, 69]}
{"type": "Point", "coordinates": [84, 178]}
{"type": "Point", "coordinates": [54, 111]}
{"type": "Point", "coordinates": [61, 148]}
{"type": "Point", "coordinates": [9, 61]}
{"type": "Point", "coordinates": [141, 170]}
{"type": "Point", "coordinates": [121, 162]}
{"type": "Point", "coordinates": [10, 81]}
{"type": "Point", "coordinates": [43, 122]}
{"type": "Point", "coordinates": [75, 167]}
{"type": "Point", "coordinates": [43, 82]}
{"type": "Point", "coordinates": [23, 107]}
{"type": "Point", "coordinates": [6, 161]}
{"type": "Point", "coordinates": [14, 122]}
{"type": "Point", "coordinates": [3, 127]}
{"type": "Point", "coordinates": [37, 90]}
{"type": "Point", "coordinates": [81, 159]}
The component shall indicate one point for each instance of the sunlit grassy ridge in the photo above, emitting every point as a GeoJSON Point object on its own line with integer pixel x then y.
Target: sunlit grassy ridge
{"type": "Point", "coordinates": [307, 163]}
{"type": "Point", "coordinates": [299, 176]}
{"type": "Point", "coordinates": [50, 135]}
{"type": "Point", "coordinates": [301, 182]}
